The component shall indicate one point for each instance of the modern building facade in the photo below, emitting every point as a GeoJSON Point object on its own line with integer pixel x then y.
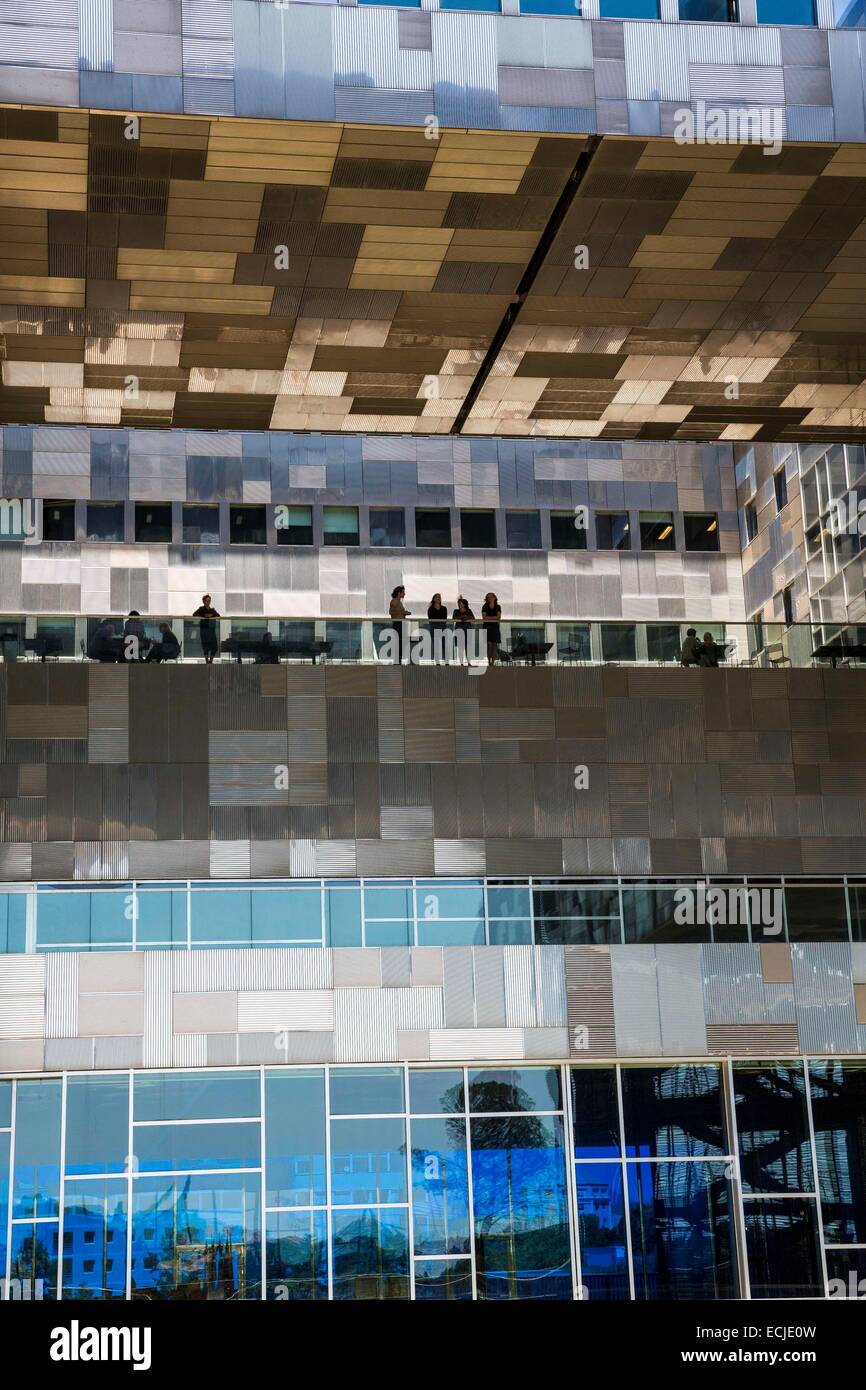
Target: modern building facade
{"type": "Point", "coordinates": [325, 975]}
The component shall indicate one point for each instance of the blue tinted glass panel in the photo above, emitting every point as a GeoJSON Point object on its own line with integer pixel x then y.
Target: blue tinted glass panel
{"type": "Point", "coordinates": [521, 1208]}
{"type": "Point", "coordinates": [446, 933]}
{"type": "Point", "coordinates": [596, 1112]}
{"type": "Point", "coordinates": [601, 1226]}
{"type": "Point", "coordinates": [514, 1088]}
{"type": "Point", "coordinates": [707, 11]}
{"type": "Point", "coordinates": [388, 902]}
{"type": "Point", "coordinates": [94, 1239]}
{"type": "Point", "coordinates": [287, 915]}
{"type": "Point", "coordinates": [368, 1161]}
{"type": "Point", "coordinates": [786, 12]}
{"type": "Point", "coordinates": [782, 1245]}
{"type": "Point", "coordinates": [586, 931]}
{"type": "Point", "coordinates": [673, 1111]}
{"type": "Point", "coordinates": [838, 1110]}
{"type": "Point", "coordinates": [13, 920]}
{"type": "Point", "coordinates": [36, 1185]}
{"type": "Point", "coordinates": [436, 1092]}
{"type": "Point", "coordinates": [5, 1104]}
{"type": "Point", "coordinates": [366, 1091]}
{"type": "Point", "coordinates": [197, 1095]}
{"type": "Point", "coordinates": [443, 1280]}
{"type": "Point", "coordinates": [575, 901]}
{"type": "Point", "coordinates": [197, 1237]}
{"type": "Point", "coordinates": [850, 14]}
{"type": "Point", "coordinates": [295, 1137]}
{"type": "Point", "coordinates": [629, 9]}
{"type": "Point", "coordinates": [508, 901]}
{"type": "Point", "coordinates": [97, 1124]}
{"type": "Point", "coordinates": [34, 1258]}
{"type": "Point", "coordinates": [164, 1148]}
{"type": "Point", "coordinates": [566, 7]}
{"type": "Point", "coordinates": [218, 916]}
{"type": "Point", "coordinates": [370, 1254]}
{"type": "Point", "coordinates": [432, 902]}
{"type": "Point", "coordinates": [487, 5]}
{"type": "Point", "coordinates": [297, 1256]}
{"type": "Point", "coordinates": [681, 1231]}
{"type": "Point", "coordinates": [343, 916]}
{"type": "Point", "coordinates": [161, 918]}
{"type": "Point", "coordinates": [775, 1153]}
{"type": "Point", "coordinates": [111, 918]}
{"type": "Point", "coordinates": [440, 1193]}
{"type": "Point", "coordinates": [388, 933]}
{"type": "Point", "coordinates": [513, 931]}
{"type": "Point", "coordinates": [63, 918]}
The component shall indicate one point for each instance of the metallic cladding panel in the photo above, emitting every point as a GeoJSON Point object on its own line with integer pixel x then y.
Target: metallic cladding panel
{"type": "Point", "coordinates": [417, 1009]}
{"type": "Point", "coordinates": [681, 1004]}
{"type": "Point", "coordinates": [733, 984]}
{"type": "Point", "coordinates": [61, 995]}
{"type": "Point", "coordinates": [589, 998]}
{"type": "Point", "coordinates": [550, 993]}
{"type": "Point", "coordinates": [365, 1025]}
{"type": "Point", "coordinates": [463, 1044]}
{"type": "Point", "coordinates": [635, 1000]}
{"type": "Point", "coordinates": [464, 69]}
{"type": "Point", "coordinates": [519, 976]}
{"type": "Point", "coordinates": [95, 35]}
{"type": "Point", "coordinates": [824, 994]}
{"type": "Point", "coordinates": [458, 984]}
{"type": "Point", "coordinates": [489, 962]}
{"type": "Point", "coordinates": [157, 1043]}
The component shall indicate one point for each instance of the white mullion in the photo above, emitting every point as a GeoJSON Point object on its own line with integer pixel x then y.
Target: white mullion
{"type": "Point", "coordinates": [407, 1124]}
{"type": "Point", "coordinates": [130, 1168]}
{"type": "Point", "coordinates": [739, 1213]}
{"type": "Point", "coordinates": [571, 1184]}
{"type": "Point", "coordinates": [328, 1195]}
{"type": "Point", "coordinates": [626, 1205]}
{"type": "Point", "coordinates": [60, 1213]}
{"type": "Point", "coordinates": [467, 1145]}
{"type": "Point", "coordinates": [263, 1155]}
{"type": "Point", "coordinates": [7, 1272]}
{"type": "Point", "coordinates": [815, 1182]}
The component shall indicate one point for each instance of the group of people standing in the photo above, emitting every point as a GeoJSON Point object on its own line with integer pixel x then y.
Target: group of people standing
{"type": "Point", "coordinates": [462, 617]}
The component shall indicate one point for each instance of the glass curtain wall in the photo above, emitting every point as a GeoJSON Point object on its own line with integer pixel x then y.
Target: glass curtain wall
{"type": "Point", "coordinates": [696, 1180]}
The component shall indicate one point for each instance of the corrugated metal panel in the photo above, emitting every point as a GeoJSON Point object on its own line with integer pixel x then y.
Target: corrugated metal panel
{"type": "Point", "coordinates": [375, 105]}
{"type": "Point", "coordinates": [550, 986]}
{"type": "Point", "coordinates": [755, 1039]}
{"type": "Point", "coordinates": [208, 18]}
{"type": "Point", "coordinates": [38, 45]}
{"type": "Point", "coordinates": [61, 995]}
{"type": "Point", "coordinates": [335, 858]}
{"type": "Point", "coordinates": [426, 966]}
{"type": "Point", "coordinates": [357, 965]}
{"type": "Point", "coordinates": [15, 862]}
{"type": "Point", "coordinates": [108, 714]}
{"type": "Point", "coordinates": [290, 1008]}
{"type": "Point", "coordinates": [656, 62]}
{"type": "Point", "coordinates": [459, 857]}
{"type": "Point", "coordinates": [396, 967]}
{"type": "Point", "coordinates": [733, 984]}
{"type": "Point", "coordinates": [69, 1054]}
{"type": "Point", "coordinates": [230, 859]}
{"type": "Point", "coordinates": [246, 784]}
{"type": "Point", "coordinates": [156, 1048]}
{"type": "Point", "coordinates": [189, 1050]}
{"type": "Point", "coordinates": [518, 966]}
{"type": "Point", "coordinates": [95, 36]}
{"type": "Point", "coordinates": [419, 1009]}
{"type": "Point", "coordinates": [471, 1044]}
{"type": "Point", "coordinates": [365, 1028]}
{"type": "Point", "coordinates": [100, 860]}
{"type": "Point", "coordinates": [222, 1049]}
{"type": "Point", "coordinates": [269, 746]}
{"type": "Point", "coordinates": [464, 69]}
{"type": "Point", "coordinates": [635, 1000]}
{"type": "Point", "coordinates": [545, 1042]}
{"type": "Point", "coordinates": [310, 1047]}
{"type": "Point", "coordinates": [458, 984]}
{"type": "Point", "coordinates": [824, 994]}
{"type": "Point", "coordinates": [406, 822]}
{"type": "Point", "coordinates": [302, 858]}
{"type": "Point", "coordinates": [681, 1000]}
{"type": "Point", "coordinates": [366, 47]}
{"type": "Point", "coordinates": [489, 966]}
{"type": "Point", "coordinates": [208, 96]}
{"type": "Point", "coordinates": [730, 84]}
{"type": "Point", "coordinates": [589, 996]}
{"type": "Point", "coordinates": [22, 974]}
{"type": "Point", "coordinates": [117, 1052]}
{"type": "Point", "coordinates": [22, 1016]}
{"type": "Point", "coordinates": [759, 45]}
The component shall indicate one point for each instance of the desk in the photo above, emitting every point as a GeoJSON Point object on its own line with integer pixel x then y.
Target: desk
{"type": "Point", "coordinates": [264, 652]}
{"type": "Point", "coordinates": [838, 651]}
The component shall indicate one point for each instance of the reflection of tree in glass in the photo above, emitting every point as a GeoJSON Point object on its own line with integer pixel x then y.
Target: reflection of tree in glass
{"type": "Point", "coordinates": [33, 1260]}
